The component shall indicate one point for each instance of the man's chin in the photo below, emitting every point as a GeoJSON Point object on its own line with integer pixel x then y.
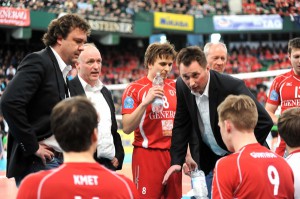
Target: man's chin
{"type": "Point", "coordinates": [194, 90]}
{"type": "Point", "coordinates": [164, 75]}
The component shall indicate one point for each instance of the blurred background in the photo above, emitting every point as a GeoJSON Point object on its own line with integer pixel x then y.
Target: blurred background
{"type": "Point", "coordinates": [256, 33]}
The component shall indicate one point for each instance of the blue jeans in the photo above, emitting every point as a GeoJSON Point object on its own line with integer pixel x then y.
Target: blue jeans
{"type": "Point", "coordinates": [38, 165]}
{"type": "Point", "coordinates": [209, 178]}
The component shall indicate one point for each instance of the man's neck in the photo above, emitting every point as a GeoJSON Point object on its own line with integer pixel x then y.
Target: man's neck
{"type": "Point", "coordinates": [243, 139]}
{"type": "Point", "coordinates": [292, 149]}
{"type": "Point", "coordinates": [85, 156]}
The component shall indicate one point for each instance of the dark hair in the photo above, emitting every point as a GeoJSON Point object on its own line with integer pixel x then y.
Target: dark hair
{"type": "Point", "coordinates": [289, 125]}
{"type": "Point", "coordinates": [189, 54]}
{"type": "Point", "coordinates": [293, 43]}
{"type": "Point", "coordinates": [159, 50]}
{"type": "Point", "coordinates": [73, 121]}
{"type": "Point", "coordinates": [63, 26]}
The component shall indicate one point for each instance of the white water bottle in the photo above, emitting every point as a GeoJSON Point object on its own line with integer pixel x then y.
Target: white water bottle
{"type": "Point", "coordinates": [199, 184]}
{"type": "Point", "coordinates": [157, 104]}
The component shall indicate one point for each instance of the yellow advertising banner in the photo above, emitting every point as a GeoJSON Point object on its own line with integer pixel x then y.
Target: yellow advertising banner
{"type": "Point", "coordinates": [173, 21]}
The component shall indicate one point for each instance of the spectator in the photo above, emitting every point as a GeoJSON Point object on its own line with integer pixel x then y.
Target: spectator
{"type": "Point", "coordinates": [261, 95]}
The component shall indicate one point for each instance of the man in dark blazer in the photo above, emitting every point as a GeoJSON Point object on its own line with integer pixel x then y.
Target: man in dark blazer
{"type": "Point", "coordinates": [197, 81]}
{"type": "Point", "coordinates": [37, 87]}
{"type": "Point", "coordinates": [87, 83]}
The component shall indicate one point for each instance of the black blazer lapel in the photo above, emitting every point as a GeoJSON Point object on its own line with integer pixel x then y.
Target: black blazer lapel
{"type": "Point", "coordinates": [76, 87]}
{"type": "Point", "coordinates": [58, 74]}
{"type": "Point", "coordinates": [108, 97]}
{"type": "Point", "coordinates": [213, 101]}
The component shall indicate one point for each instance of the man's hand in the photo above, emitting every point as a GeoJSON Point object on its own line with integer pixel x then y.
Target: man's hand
{"type": "Point", "coordinates": [171, 170]}
{"type": "Point", "coordinates": [153, 92]}
{"type": "Point", "coordinates": [44, 153]}
{"type": "Point", "coordinates": [115, 162]}
{"type": "Point", "coordinates": [189, 165]}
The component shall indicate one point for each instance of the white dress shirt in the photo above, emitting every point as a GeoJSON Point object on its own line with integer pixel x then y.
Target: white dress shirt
{"type": "Point", "coordinates": [105, 146]}
{"type": "Point", "coordinates": [205, 126]}
{"type": "Point", "coordinates": [51, 141]}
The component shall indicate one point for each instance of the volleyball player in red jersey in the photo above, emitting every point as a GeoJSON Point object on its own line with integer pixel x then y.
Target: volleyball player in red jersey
{"type": "Point", "coordinates": [152, 131]}
{"type": "Point", "coordinates": [285, 89]}
{"type": "Point", "coordinates": [252, 171]}
{"type": "Point", "coordinates": [74, 123]}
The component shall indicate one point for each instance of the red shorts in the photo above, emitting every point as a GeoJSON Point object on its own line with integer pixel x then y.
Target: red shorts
{"type": "Point", "coordinates": [148, 169]}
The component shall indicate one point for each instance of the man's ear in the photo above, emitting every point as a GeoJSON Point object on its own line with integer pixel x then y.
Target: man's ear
{"type": "Point", "coordinates": [77, 65]}
{"type": "Point", "coordinates": [95, 136]}
{"type": "Point", "coordinates": [59, 40]}
{"type": "Point", "coordinates": [228, 126]}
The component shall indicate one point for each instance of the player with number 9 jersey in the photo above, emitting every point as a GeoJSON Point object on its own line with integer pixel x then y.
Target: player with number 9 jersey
{"type": "Point", "coordinates": [255, 172]}
{"type": "Point", "coordinates": [252, 170]}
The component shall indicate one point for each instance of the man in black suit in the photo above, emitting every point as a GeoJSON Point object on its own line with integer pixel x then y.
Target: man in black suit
{"type": "Point", "coordinates": [110, 151]}
{"type": "Point", "coordinates": [216, 56]}
{"type": "Point", "coordinates": [199, 91]}
{"type": "Point", "coordinates": [37, 87]}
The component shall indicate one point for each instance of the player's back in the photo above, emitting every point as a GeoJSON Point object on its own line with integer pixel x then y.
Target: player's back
{"type": "Point", "coordinates": [77, 180]}
{"type": "Point", "coordinates": [256, 173]}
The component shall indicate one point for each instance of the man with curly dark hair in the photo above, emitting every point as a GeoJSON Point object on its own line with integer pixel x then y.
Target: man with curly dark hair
{"type": "Point", "coordinates": [37, 87]}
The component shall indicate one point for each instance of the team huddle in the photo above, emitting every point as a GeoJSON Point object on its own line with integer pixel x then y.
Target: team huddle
{"type": "Point", "coordinates": [63, 134]}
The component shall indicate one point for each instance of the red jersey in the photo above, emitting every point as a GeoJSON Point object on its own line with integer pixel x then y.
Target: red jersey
{"type": "Point", "coordinates": [285, 91]}
{"type": "Point", "coordinates": [77, 180]}
{"type": "Point", "coordinates": [155, 129]}
{"type": "Point", "coordinates": [253, 172]}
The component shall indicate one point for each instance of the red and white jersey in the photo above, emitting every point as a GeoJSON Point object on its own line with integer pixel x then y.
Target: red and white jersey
{"type": "Point", "coordinates": [77, 181]}
{"type": "Point", "coordinates": [155, 129]}
{"type": "Point", "coordinates": [253, 172]}
{"type": "Point", "coordinates": [285, 91]}
{"type": "Point", "coordinates": [294, 161]}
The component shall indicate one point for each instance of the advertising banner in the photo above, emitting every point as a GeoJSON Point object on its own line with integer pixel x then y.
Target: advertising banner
{"type": "Point", "coordinates": [248, 22]}
{"type": "Point", "coordinates": [111, 24]}
{"type": "Point", "coordinates": [14, 16]}
{"type": "Point", "coordinates": [170, 21]}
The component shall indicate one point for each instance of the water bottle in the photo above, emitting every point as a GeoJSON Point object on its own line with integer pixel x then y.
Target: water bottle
{"type": "Point", "coordinates": [199, 184]}
{"type": "Point", "coordinates": [157, 104]}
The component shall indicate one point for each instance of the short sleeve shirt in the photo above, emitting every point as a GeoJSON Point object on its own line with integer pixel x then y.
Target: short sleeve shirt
{"type": "Point", "coordinates": [285, 91]}
{"type": "Point", "coordinates": [155, 129]}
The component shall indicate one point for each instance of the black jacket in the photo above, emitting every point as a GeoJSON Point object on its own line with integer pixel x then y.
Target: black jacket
{"type": "Point", "coordinates": [26, 104]}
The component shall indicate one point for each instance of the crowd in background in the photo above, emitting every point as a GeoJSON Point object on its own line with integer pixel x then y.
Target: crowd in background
{"type": "Point", "coordinates": [127, 8]}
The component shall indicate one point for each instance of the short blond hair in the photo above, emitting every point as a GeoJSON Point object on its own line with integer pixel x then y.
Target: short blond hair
{"type": "Point", "coordinates": [241, 110]}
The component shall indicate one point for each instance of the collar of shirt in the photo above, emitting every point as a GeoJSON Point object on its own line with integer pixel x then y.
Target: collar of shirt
{"type": "Point", "coordinates": [205, 93]}
{"type": "Point", "coordinates": [98, 86]}
{"type": "Point", "coordinates": [65, 69]}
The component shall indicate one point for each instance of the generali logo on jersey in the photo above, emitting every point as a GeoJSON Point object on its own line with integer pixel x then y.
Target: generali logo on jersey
{"type": "Point", "coordinates": [162, 115]}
